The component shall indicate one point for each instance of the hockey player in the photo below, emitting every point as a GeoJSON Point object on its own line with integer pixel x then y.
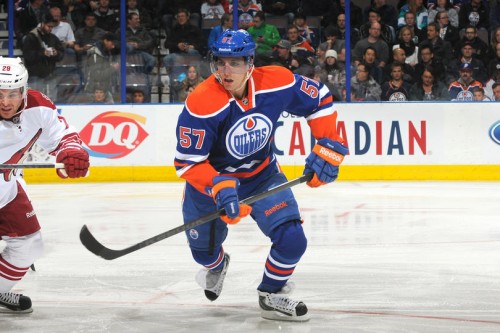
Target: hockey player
{"type": "Point", "coordinates": [224, 152]}
{"type": "Point", "coordinates": [27, 117]}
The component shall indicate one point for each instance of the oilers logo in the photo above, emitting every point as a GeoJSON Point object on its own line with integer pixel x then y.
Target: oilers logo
{"type": "Point", "coordinates": [248, 135]}
{"type": "Point", "coordinates": [465, 95]}
{"type": "Point", "coordinates": [397, 97]}
{"type": "Point", "coordinates": [495, 132]}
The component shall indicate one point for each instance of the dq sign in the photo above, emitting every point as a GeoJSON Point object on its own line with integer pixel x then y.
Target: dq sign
{"type": "Point", "coordinates": [114, 134]}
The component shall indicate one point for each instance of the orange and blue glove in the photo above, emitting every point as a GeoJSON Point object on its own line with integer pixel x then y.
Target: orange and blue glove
{"type": "Point", "coordinates": [225, 194]}
{"type": "Point", "coordinates": [324, 161]}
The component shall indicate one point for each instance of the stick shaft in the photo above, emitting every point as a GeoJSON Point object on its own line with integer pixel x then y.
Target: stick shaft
{"type": "Point", "coordinates": [33, 166]}
{"type": "Point", "coordinates": [93, 245]}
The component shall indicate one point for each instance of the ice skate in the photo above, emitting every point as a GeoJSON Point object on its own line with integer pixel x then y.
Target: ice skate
{"type": "Point", "coordinates": [212, 281]}
{"type": "Point", "coordinates": [14, 303]}
{"type": "Point", "coordinates": [278, 306]}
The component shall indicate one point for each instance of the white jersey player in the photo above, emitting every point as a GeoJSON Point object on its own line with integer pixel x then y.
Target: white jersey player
{"type": "Point", "coordinates": [27, 117]}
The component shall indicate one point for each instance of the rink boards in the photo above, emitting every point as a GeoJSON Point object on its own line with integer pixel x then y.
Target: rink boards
{"type": "Point", "coordinates": [389, 141]}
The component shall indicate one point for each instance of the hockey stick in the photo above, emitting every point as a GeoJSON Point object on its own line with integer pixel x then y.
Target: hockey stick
{"type": "Point", "coordinates": [33, 166]}
{"type": "Point", "coordinates": [93, 245]}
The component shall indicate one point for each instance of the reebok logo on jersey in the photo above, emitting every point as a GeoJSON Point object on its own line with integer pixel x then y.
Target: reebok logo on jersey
{"type": "Point", "coordinates": [248, 135]}
{"type": "Point", "coordinates": [276, 208]}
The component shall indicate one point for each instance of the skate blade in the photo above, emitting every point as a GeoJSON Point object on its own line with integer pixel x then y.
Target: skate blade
{"type": "Point", "coordinates": [276, 315]}
{"type": "Point", "coordinates": [4, 310]}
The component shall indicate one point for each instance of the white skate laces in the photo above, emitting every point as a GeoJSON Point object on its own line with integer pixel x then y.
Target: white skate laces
{"type": "Point", "coordinates": [14, 303]}
{"type": "Point", "coordinates": [212, 281]}
{"type": "Point", "coordinates": [278, 306]}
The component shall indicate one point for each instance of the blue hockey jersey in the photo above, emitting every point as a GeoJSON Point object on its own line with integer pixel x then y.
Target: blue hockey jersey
{"type": "Point", "coordinates": [218, 134]}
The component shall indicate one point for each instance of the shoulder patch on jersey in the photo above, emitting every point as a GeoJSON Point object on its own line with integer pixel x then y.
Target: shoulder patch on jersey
{"type": "Point", "coordinates": [36, 98]}
{"type": "Point", "coordinates": [272, 78]}
{"type": "Point", "coordinates": [208, 98]}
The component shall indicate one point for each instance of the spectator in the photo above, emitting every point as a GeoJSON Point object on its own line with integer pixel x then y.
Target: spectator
{"type": "Point", "coordinates": [406, 43]}
{"type": "Point", "coordinates": [28, 18]}
{"type": "Point", "coordinates": [300, 46]}
{"type": "Point", "coordinates": [494, 63]}
{"type": "Point", "coordinates": [447, 32]}
{"type": "Point", "coordinates": [283, 56]}
{"type": "Point", "coordinates": [102, 66]}
{"type": "Point", "coordinates": [495, 40]}
{"type": "Point", "coordinates": [133, 6]}
{"type": "Point", "coordinates": [371, 62]}
{"type": "Point", "coordinates": [280, 8]}
{"type": "Point", "coordinates": [479, 70]}
{"type": "Point", "coordinates": [479, 96]}
{"type": "Point", "coordinates": [428, 88]}
{"type": "Point", "coordinates": [77, 11]}
{"type": "Point", "coordinates": [186, 86]}
{"type": "Point", "coordinates": [494, 15]}
{"type": "Point", "coordinates": [496, 91]}
{"type": "Point", "coordinates": [396, 89]}
{"type": "Point", "coordinates": [101, 95]}
{"type": "Point", "coordinates": [474, 13]}
{"type": "Point", "coordinates": [418, 34]}
{"type": "Point", "coordinates": [334, 74]}
{"type": "Point", "coordinates": [185, 39]}
{"type": "Point", "coordinates": [321, 54]}
{"type": "Point", "coordinates": [333, 42]}
{"type": "Point", "coordinates": [356, 14]}
{"type": "Point", "coordinates": [300, 21]}
{"type": "Point", "coordinates": [87, 36]}
{"type": "Point", "coordinates": [42, 50]}
{"type": "Point", "coordinates": [446, 7]}
{"type": "Point", "coordinates": [139, 42]}
{"type": "Point", "coordinates": [107, 18]}
{"type": "Point", "coordinates": [388, 13]}
{"type": "Point", "coordinates": [226, 22]}
{"type": "Point", "coordinates": [461, 89]}
{"type": "Point", "coordinates": [374, 40]}
{"type": "Point", "coordinates": [427, 59]}
{"type": "Point", "coordinates": [138, 96]}
{"type": "Point", "coordinates": [355, 35]}
{"type": "Point", "coordinates": [265, 35]}
{"type": "Point", "coordinates": [481, 49]}
{"type": "Point", "coordinates": [212, 9]}
{"type": "Point", "coordinates": [488, 87]}
{"type": "Point", "coordinates": [416, 7]}
{"type": "Point", "coordinates": [387, 32]}
{"type": "Point", "coordinates": [246, 12]}
{"type": "Point", "coordinates": [442, 50]}
{"type": "Point", "coordinates": [364, 86]}
{"type": "Point", "coordinates": [63, 30]}
{"type": "Point", "coordinates": [399, 56]}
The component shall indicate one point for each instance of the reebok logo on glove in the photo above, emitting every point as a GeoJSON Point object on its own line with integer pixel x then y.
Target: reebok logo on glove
{"type": "Point", "coordinates": [330, 156]}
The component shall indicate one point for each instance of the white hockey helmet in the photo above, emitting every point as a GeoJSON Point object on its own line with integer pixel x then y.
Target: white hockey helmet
{"type": "Point", "coordinates": [13, 74]}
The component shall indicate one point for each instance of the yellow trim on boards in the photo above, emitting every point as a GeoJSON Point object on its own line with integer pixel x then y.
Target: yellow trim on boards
{"type": "Point", "coordinates": [347, 172]}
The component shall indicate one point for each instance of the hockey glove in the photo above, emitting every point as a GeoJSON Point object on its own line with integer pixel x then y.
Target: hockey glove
{"type": "Point", "coordinates": [76, 162]}
{"type": "Point", "coordinates": [324, 161]}
{"type": "Point", "coordinates": [225, 194]}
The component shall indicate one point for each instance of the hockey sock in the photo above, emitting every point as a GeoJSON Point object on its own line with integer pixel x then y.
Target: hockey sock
{"type": "Point", "coordinates": [289, 244]}
{"type": "Point", "coordinates": [10, 275]}
{"type": "Point", "coordinates": [213, 262]}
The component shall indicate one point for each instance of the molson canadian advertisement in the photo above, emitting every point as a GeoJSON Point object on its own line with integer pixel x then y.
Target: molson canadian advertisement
{"type": "Point", "coordinates": [416, 135]}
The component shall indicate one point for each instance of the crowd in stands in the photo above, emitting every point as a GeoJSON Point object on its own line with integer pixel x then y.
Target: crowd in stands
{"type": "Point", "coordinates": [410, 50]}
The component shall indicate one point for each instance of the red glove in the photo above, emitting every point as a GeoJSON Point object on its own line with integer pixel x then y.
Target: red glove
{"type": "Point", "coordinates": [76, 163]}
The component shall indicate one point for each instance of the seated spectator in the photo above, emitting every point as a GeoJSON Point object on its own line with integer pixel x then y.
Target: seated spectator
{"type": "Point", "coordinates": [212, 9]}
{"type": "Point", "coordinates": [376, 42]}
{"type": "Point", "coordinates": [265, 35]}
{"type": "Point", "coordinates": [418, 34]}
{"type": "Point", "coordinates": [428, 88]}
{"type": "Point", "coordinates": [494, 16]}
{"type": "Point", "coordinates": [447, 32]}
{"type": "Point", "coordinates": [107, 18]}
{"type": "Point", "coordinates": [442, 50]}
{"type": "Point", "coordinates": [333, 42]}
{"type": "Point", "coordinates": [355, 35]}
{"type": "Point", "coordinates": [87, 36]}
{"type": "Point", "coordinates": [139, 42]}
{"type": "Point", "coordinates": [475, 13]}
{"type": "Point", "coordinates": [300, 46]}
{"type": "Point", "coordinates": [396, 89]}
{"type": "Point", "coordinates": [387, 32]}
{"type": "Point", "coordinates": [427, 59]}
{"type": "Point", "coordinates": [416, 7]}
{"type": "Point", "coordinates": [371, 62]}
{"type": "Point", "coordinates": [102, 63]}
{"type": "Point", "coordinates": [133, 6]}
{"type": "Point", "coordinates": [479, 96]}
{"type": "Point", "coordinates": [461, 89]}
{"type": "Point", "coordinates": [101, 95]}
{"type": "Point", "coordinates": [446, 7]}
{"type": "Point", "coordinates": [364, 86]}
{"type": "Point", "coordinates": [406, 43]}
{"type": "Point", "coordinates": [226, 22]}
{"type": "Point", "coordinates": [488, 87]}
{"type": "Point", "coordinates": [335, 74]}
{"type": "Point", "coordinates": [388, 13]}
{"type": "Point", "coordinates": [280, 8]}
{"type": "Point", "coordinates": [186, 39]}
{"type": "Point", "coordinates": [282, 56]}
{"type": "Point", "coordinates": [28, 18]}
{"type": "Point", "coordinates": [63, 30]}
{"type": "Point", "coordinates": [138, 97]}
{"type": "Point", "coordinates": [399, 56]}
{"type": "Point", "coordinates": [186, 86]}
{"type": "Point", "coordinates": [496, 91]}
{"type": "Point", "coordinates": [300, 21]}
{"type": "Point", "coordinates": [42, 50]}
